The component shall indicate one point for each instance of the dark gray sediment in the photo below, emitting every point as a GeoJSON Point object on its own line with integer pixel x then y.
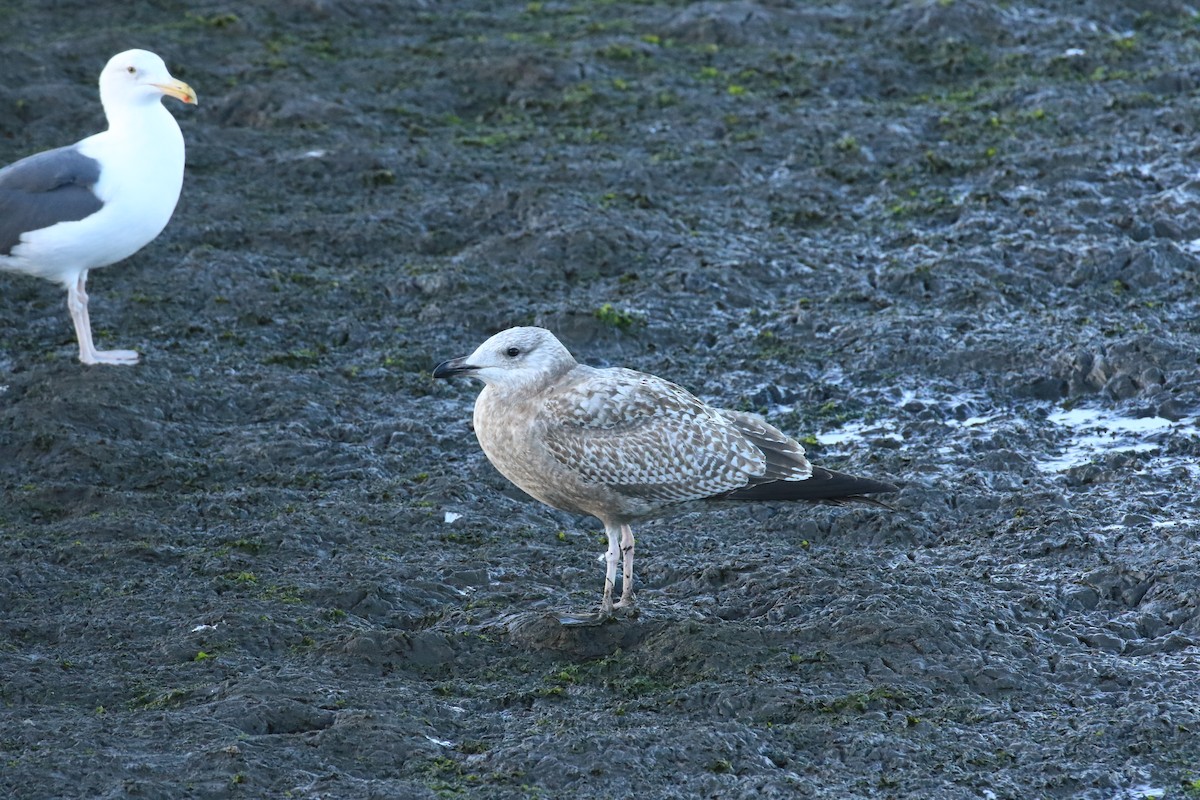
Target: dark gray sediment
{"type": "Point", "coordinates": [948, 244]}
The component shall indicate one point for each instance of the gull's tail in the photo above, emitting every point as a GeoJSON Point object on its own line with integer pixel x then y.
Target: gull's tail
{"type": "Point", "coordinates": [823, 486]}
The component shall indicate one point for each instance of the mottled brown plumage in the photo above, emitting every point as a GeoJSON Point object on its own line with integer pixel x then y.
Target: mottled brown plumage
{"type": "Point", "coordinates": [622, 445]}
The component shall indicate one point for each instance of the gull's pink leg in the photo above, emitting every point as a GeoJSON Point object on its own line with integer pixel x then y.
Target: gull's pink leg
{"type": "Point", "coordinates": [626, 600]}
{"type": "Point", "coordinates": [77, 304]}
{"type": "Point", "coordinates": [610, 567]}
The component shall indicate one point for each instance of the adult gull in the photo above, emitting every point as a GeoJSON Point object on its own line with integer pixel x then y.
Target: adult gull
{"type": "Point", "coordinates": [623, 446]}
{"type": "Point", "coordinates": [73, 209]}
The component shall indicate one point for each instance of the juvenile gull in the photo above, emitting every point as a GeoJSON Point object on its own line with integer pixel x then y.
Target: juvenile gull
{"type": "Point", "coordinates": [77, 208]}
{"type": "Point", "coordinates": [622, 445]}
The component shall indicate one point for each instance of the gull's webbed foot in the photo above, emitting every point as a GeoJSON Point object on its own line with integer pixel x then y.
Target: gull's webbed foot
{"type": "Point", "coordinates": [114, 357]}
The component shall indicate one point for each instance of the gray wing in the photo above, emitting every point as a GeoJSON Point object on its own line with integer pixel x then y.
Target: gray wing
{"type": "Point", "coordinates": [649, 438]}
{"type": "Point", "coordinates": [45, 189]}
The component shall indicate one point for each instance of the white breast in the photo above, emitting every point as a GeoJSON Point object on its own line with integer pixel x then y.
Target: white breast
{"type": "Point", "coordinates": [140, 181]}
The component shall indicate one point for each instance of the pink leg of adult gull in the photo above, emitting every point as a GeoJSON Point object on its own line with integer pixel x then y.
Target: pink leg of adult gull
{"type": "Point", "coordinates": [77, 304]}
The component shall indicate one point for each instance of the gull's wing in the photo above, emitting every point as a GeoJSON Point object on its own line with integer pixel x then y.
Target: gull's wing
{"type": "Point", "coordinates": [784, 456]}
{"type": "Point", "coordinates": [650, 439]}
{"type": "Point", "coordinates": [45, 189]}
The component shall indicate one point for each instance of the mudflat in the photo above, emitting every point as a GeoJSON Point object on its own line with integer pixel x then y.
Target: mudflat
{"type": "Point", "coordinates": [950, 244]}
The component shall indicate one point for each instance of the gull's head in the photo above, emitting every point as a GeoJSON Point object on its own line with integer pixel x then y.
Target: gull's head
{"type": "Point", "coordinates": [139, 76]}
{"type": "Point", "coordinates": [517, 357]}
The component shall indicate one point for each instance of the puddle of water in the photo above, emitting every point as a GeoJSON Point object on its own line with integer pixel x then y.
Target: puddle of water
{"type": "Point", "coordinates": [1095, 432]}
{"type": "Point", "coordinates": [971, 422]}
{"type": "Point", "coordinates": [860, 432]}
{"type": "Point", "coordinates": [1171, 523]}
{"type": "Point", "coordinates": [853, 432]}
{"type": "Point", "coordinates": [1087, 433]}
{"type": "Point", "coordinates": [1099, 418]}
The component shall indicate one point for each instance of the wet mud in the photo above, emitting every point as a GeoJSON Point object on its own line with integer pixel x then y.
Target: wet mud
{"type": "Point", "coordinates": [953, 245]}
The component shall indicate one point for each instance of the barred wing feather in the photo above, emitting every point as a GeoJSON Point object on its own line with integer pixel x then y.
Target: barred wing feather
{"type": "Point", "coordinates": [648, 438]}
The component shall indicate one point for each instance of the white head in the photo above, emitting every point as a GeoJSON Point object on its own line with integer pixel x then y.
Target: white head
{"type": "Point", "coordinates": [137, 77]}
{"type": "Point", "coordinates": [517, 357]}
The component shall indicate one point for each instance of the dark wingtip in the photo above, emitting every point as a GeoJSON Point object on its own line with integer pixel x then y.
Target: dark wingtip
{"type": "Point", "coordinates": [825, 485]}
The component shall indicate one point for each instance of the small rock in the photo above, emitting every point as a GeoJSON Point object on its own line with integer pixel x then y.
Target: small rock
{"type": "Point", "coordinates": [1121, 387]}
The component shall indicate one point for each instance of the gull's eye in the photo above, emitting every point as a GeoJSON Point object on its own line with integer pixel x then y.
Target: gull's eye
{"type": "Point", "coordinates": [512, 352]}
{"type": "Point", "coordinates": [132, 70]}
